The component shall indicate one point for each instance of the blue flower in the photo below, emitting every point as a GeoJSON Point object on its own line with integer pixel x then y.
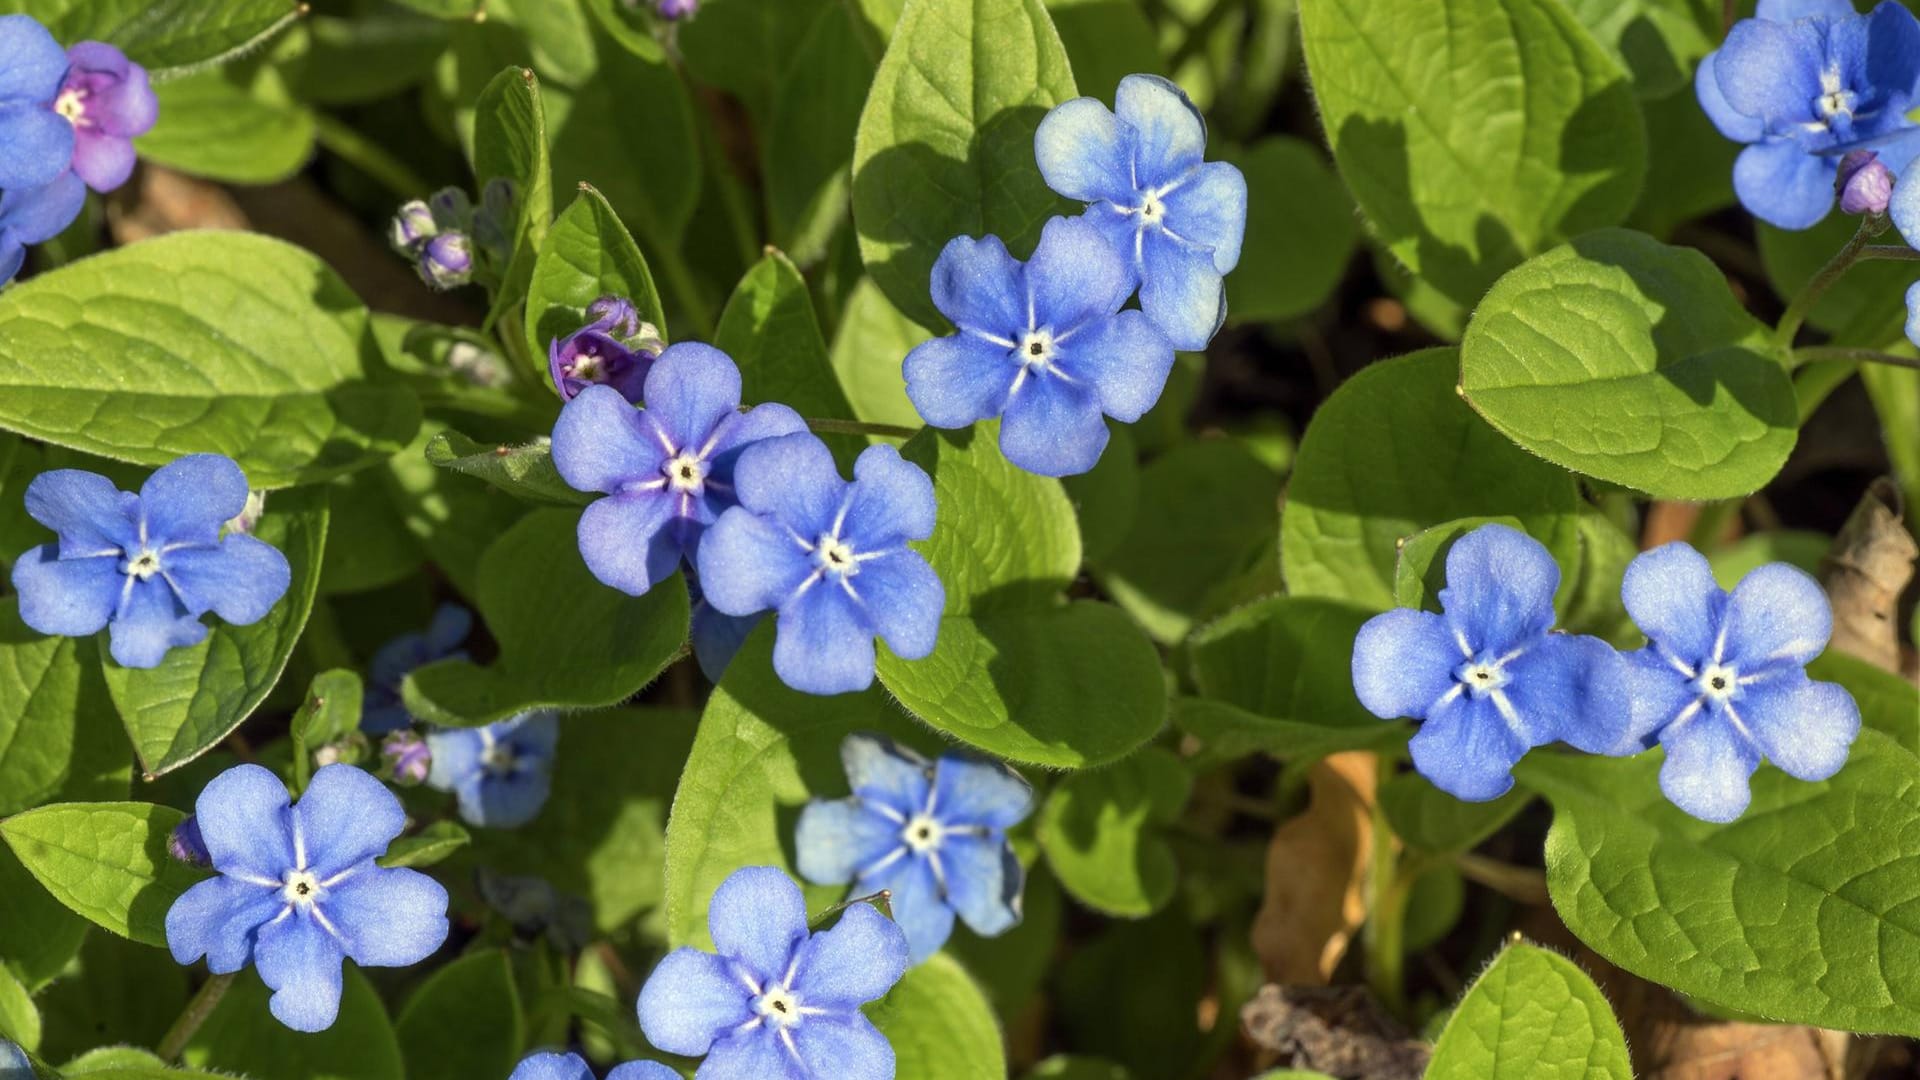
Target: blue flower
{"type": "Point", "coordinates": [1177, 218]}
{"type": "Point", "coordinates": [1486, 677]}
{"type": "Point", "coordinates": [667, 470]}
{"type": "Point", "coordinates": [777, 1003]}
{"type": "Point", "coordinates": [14, 1064]}
{"type": "Point", "coordinates": [108, 100]}
{"type": "Point", "coordinates": [1800, 85]}
{"type": "Point", "coordinates": [298, 888]}
{"type": "Point", "coordinates": [1723, 681]}
{"type": "Point", "coordinates": [551, 1066]}
{"type": "Point", "coordinates": [1044, 345]}
{"type": "Point", "coordinates": [34, 216]}
{"type": "Point", "coordinates": [829, 557]}
{"type": "Point", "coordinates": [934, 833]}
{"type": "Point", "coordinates": [501, 773]}
{"type": "Point", "coordinates": [145, 566]}
{"type": "Point", "coordinates": [381, 710]}
{"type": "Point", "coordinates": [716, 635]}
{"type": "Point", "coordinates": [36, 141]}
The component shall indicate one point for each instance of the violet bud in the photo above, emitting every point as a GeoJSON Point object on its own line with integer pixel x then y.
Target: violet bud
{"type": "Point", "coordinates": [407, 756]}
{"type": "Point", "coordinates": [451, 208]}
{"type": "Point", "coordinates": [447, 261]}
{"type": "Point", "coordinates": [412, 225]}
{"type": "Point", "coordinates": [186, 845]}
{"type": "Point", "coordinates": [676, 10]}
{"type": "Point", "coordinates": [1864, 182]}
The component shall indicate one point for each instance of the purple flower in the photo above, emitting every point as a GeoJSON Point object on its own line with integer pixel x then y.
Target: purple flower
{"type": "Point", "coordinates": [590, 357]}
{"type": "Point", "coordinates": [412, 225]}
{"type": "Point", "coordinates": [831, 558]}
{"type": "Point", "coordinates": [35, 215]}
{"type": "Point", "coordinates": [446, 261]}
{"type": "Point", "coordinates": [667, 470]}
{"type": "Point", "coordinates": [146, 567]}
{"type": "Point", "coordinates": [677, 9]}
{"type": "Point", "coordinates": [408, 757]}
{"type": "Point", "coordinates": [108, 101]}
{"type": "Point", "coordinates": [381, 709]}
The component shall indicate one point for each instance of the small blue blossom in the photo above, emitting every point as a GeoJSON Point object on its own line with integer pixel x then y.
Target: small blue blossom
{"type": "Point", "coordinates": [186, 845]}
{"type": "Point", "coordinates": [667, 470]}
{"type": "Point", "coordinates": [829, 557]}
{"type": "Point", "coordinates": [933, 833]}
{"type": "Point", "coordinates": [34, 216]}
{"type": "Point", "coordinates": [1801, 84]}
{"type": "Point", "coordinates": [1042, 345]}
{"type": "Point", "coordinates": [1486, 677]}
{"type": "Point", "coordinates": [776, 1003]}
{"type": "Point", "coordinates": [501, 773]}
{"type": "Point", "coordinates": [146, 567]}
{"type": "Point", "coordinates": [1176, 218]}
{"type": "Point", "coordinates": [14, 1064]}
{"type": "Point", "coordinates": [547, 1065]}
{"type": "Point", "coordinates": [36, 140]}
{"type": "Point", "coordinates": [298, 889]}
{"type": "Point", "coordinates": [381, 709]}
{"type": "Point", "coordinates": [1723, 681]}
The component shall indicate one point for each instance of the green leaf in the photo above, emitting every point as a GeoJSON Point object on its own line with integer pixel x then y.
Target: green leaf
{"type": "Point", "coordinates": [761, 752]}
{"type": "Point", "coordinates": [1583, 357]}
{"type": "Point", "coordinates": [769, 329]}
{"type": "Point", "coordinates": [1421, 571]}
{"type": "Point", "coordinates": [1228, 733]}
{"type": "Point", "coordinates": [1593, 604]}
{"type": "Point", "coordinates": [107, 862]}
{"type": "Point", "coordinates": [1896, 400]}
{"type": "Point", "coordinates": [1832, 867]}
{"type": "Point", "coordinates": [454, 517]}
{"type": "Point", "coordinates": [38, 935]}
{"type": "Point", "coordinates": [199, 694]}
{"type": "Point", "coordinates": [587, 255]}
{"type": "Point", "coordinates": [383, 551]}
{"type": "Point", "coordinates": [57, 734]}
{"type": "Point", "coordinates": [1076, 1067]}
{"type": "Point", "coordinates": [162, 34]}
{"type": "Point", "coordinates": [1532, 1015]}
{"type": "Point", "coordinates": [1659, 42]}
{"type": "Point", "coordinates": [744, 46]}
{"type": "Point", "coordinates": [372, 54]}
{"type": "Point", "coordinates": [123, 992]}
{"type": "Point", "coordinates": [1473, 133]}
{"type": "Point", "coordinates": [1107, 40]}
{"type": "Point", "coordinates": [940, 1025]}
{"type": "Point", "coordinates": [19, 1020]}
{"type": "Point", "coordinates": [872, 341]}
{"type": "Point", "coordinates": [1689, 166]}
{"type": "Point", "coordinates": [593, 648]}
{"type": "Point", "coordinates": [220, 342]}
{"type": "Point", "coordinates": [1129, 993]}
{"type": "Point", "coordinates": [429, 846]}
{"type": "Point", "coordinates": [1300, 232]}
{"type": "Point", "coordinates": [1100, 829]}
{"type": "Point", "coordinates": [330, 711]}
{"type": "Point", "coordinates": [1012, 967]}
{"type": "Point", "coordinates": [811, 123]}
{"type": "Point", "coordinates": [239, 1037]}
{"type": "Point", "coordinates": [510, 142]}
{"type": "Point", "coordinates": [464, 1021]}
{"type": "Point", "coordinates": [1106, 501]}
{"type": "Point", "coordinates": [1432, 820]}
{"type": "Point", "coordinates": [945, 146]}
{"type": "Point", "coordinates": [523, 471]}
{"type": "Point", "coordinates": [237, 124]}
{"type": "Point", "coordinates": [1391, 453]}
{"type": "Point", "coordinates": [1888, 703]}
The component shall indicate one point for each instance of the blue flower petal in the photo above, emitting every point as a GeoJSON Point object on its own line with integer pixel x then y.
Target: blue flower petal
{"type": "Point", "coordinates": [504, 802]}
{"type": "Point", "coordinates": [758, 918]}
{"type": "Point", "coordinates": [755, 1054]}
{"type": "Point", "coordinates": [68, 597]}
{"type": "Point", "coordinates": [919, 904]}
{"type": "Point", "coordinates": [242, 814]}
{"type": "Point", "coordinates": [836, 840]}
{"type": "Point", "coordinates": [1169, 137]}
{"type": "Point", "coordinates": [1772, 70]}
{"type": "Point", "coordinates": [36, 215]}
{"type": "Point", "coordinates": [977, 285]}
{"type": "Point", "coordinates": [1466, 749]}
{"type": "Point", "coordinates": [36, 145]}
{"type": "Point", "coordinates": [625, 542]}
{"type": "Point", "coordinates": [1904, 209]}
{"type": "Point", "coordinates": [300, 962]}
{"type": "Point", "coordinates": [1125, 359]}
{"type": "Point", "coordinates": [882, 771]}
{"type": "Point", "coordinates": [956, 380]}
{"type": "Point", "coordinates": [845, 1048]}
{"type": "Point", "coordinates": [823, 641]}
{"type": "Point", "coordinates": [240, 580]}
{"type": "Point", "coordinates": [13, 255]}
{"type": "Point", "coordinates": [1789, 10]}
{"type": "Point", "coordinates": [1707, 768]}
{"type": "Point", "coordinates": [1053, 428]}
{"type": "Point", "coordinates": [1732, 123]}
{"type": "Point", "coordinates": [1783, 185]}
{"type": "Point", "coordinates": [1403, 663]}
{"type": "Point", "coordinates": [1500, 586]}
{"type": "Point", "coordinates": [450, 626]}
{"type": "Point", "coordinates": [1075, 277]}
{"type": "Point", "coordinates": [983, 882]}
{"type": "Point", "coordinates": [1085, 153]}
{"type": "Point", "coordinates": [855, 962]}
{"type": "Point", "coordinates": [1660, 693]}
{"type": "Point", "coordinates": [551, 1066]}
{"type": "Point", "coordinates": [717, 636]}
{"type": "Point", "coordinates": [638, 1070]}
{"type": "Point", "coordinates": [32, 63]}
{"type": "Point", "coordinates": [1891, 52]}
{"type": "Point", "coordinates": [794, 480]}
{"type": "Point", "coordinates": [1804, 727]}
{"type": "Point", "coordinates": [969, 790]}
{"type": "Point", "coordinates": [85, 510]}
{"type": "Point", "coordinates": [891, 501]}
{"type": "Point", "coordinates": [740, 430]}
{"type": "Point", "coordinates": [1181, 290]}
{"type": "Point", "coordinates": [601, 442]}
{"type": "Point", "coordinates": [1210, 208]}
{"type": "Point", "coordinates": [691, 389]}
{"type": "Point", "coordinates": [187, 501]}
{"type": "Point", "coordinates": [456, 756]}
{"type": "Point", "coordinates": [1913, 313]}
{"type": "Point", "coordinates": [1573, 688]}
{"type": "Point", "coordinates": [1777, 615]}
{"type": "Point", "coordinates": [344, 818]}
{"type": "Point", "coordinates": [1672, 597]}
{"type": "Point", "coordinates": [690, 1000]}
{"type": "Point", "coordinates": [151, 621]}
{"type": "Point", "coordinates": [903, 598]}
{"type": "Point", "coordinates": [533, 734]}
{"type": "Point", "coordinates": [387, 917]}
{"type": "Point", "coordinates": [749, 564]}
{"type": "Point", "coordinates": [216, 919]}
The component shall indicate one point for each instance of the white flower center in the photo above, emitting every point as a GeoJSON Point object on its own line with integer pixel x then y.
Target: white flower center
{"type": "Point", "coordinates": [1718, 681]}
{"type": "Point", "coordinates": [587, 366]}
{"type": "Point", "coordinates": [1153, 211]}
{"type": "Point", "coordinates": [1035, 350]}
{"type": "Point", "coordinates": [686, 472]}
{"type": "Point", "coordinates": [779, 1006]}
{"type": "Point", "coordinates": [72, 104]}
{"type": "Point", "coordinates": [1834, 99]}
{"type": "Point", "coordinates": [142, 566]}
{"type": "Point", "coordinates": [923, 834]}
{"type": "Point", "coordinates": [835, 556]}
{"type": "Point", "coordinates": [1481, 677]}
{"type": "Point", "coordinates": [301, 889]}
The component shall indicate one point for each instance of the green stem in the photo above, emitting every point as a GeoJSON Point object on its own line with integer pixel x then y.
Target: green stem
{"type": "Point", "coordinates": [1712, 521]}
{"type": "Point", "coordinates": [1896, 252]}
{"type": "Point", "coordinates": [369, 157]}
{"type": "Point", "coordinates": [1862, 356]}
{"type": "Point", "coordinates": [1199, 32]}
{"type": "Point", "coordinates": [1385, 934]}
{"type": "Point", "coordinates": [193, 1016]}
{"type": "Point", "coordinates": [860, 427]}
{"type": "Point", "coordinates": [1816, 287]}
{"type": "Point", "coordinates": [1519, 883]}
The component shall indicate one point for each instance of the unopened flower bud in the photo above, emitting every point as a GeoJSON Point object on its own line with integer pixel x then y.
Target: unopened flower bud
{"type": "Point", "coordinates": [407, 756]}
{"type": "Point", "coordinates": [249, 515]}
{"type": "Point", "coordinates": [451, 207]}
{"type": "Point", "coordinates": [447, 261]}
{"type": "Point", "coordinates": [186, 845]}
{"type": "Point", "coordinates": [677, 9]}
{"type": "Point", "coordinates": [412, 225]}
{"type": "Point", "coordinates": [1864, 182]}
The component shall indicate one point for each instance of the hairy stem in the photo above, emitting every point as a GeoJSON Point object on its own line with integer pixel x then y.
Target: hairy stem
{"type": "Point", "coordinates": [1521, 883]}
{"type": "Point", "coordinates": [1385, 933]}
{"type": "Point", "coordinates": [1863, 356]}
{"type": "Point", "coordinates": [859, 427]}
{"type": "Point", "coordinates": [193, 1016]}
{"type": "Point", "coordinates": [1816, 286]}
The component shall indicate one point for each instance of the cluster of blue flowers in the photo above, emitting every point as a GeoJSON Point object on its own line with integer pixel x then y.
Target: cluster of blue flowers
{"type": "Point", "coordinates": [1721, 683]}
{"type": "Point", "coordinates": [68, 118]}
{"type": "Point", "coordinates": [451, 241]}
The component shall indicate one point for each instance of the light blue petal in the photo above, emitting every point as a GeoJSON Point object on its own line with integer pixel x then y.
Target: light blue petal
{"type": "Point", "coordinates": [845, 1048]}
{"type": "Point", "coordinates": [150, 622]}
{"type": "Point", "coordinates": [600, 442]}
{"type": "Point", "coordinates": [1772, 70]}
{"type": "Point", "coordinates": [1783, 185]}
{"type": "Point", "coordinates": [456, 756]}
{"type": "Point", "coordinates": [882, 771]}
{"type": "Point", "coordinates": [1053, 428]}
{"type": "Point", "coordinates": [533, 734]}
{"type": "Point", "coordinates": [823, 641]}
{"type": "Point", "coordinates": [902, 598]}
{"type": "Point", "coordinates": [973, 790]}
{"type": "Point", "coordinates": [68, 597]}
{"type": "Point", "coordinates": [837, 839]}
{"type": "Point", "coordinates": [387, 917]}
{"type": "Point", "coordinates": [551, 1066]}
{"type": "Point", "coordinates": [638, 1070]}
{"type": "Point", "coordinates": [1466, 749]}
{"type": "Point", "coordinates": [749, 564]}
{"type": "Point", "coordinates": [12, 255]}
{"type": "Point", "coordinates": [1573, 688]}
{"type": "Point", "coordinates": [1732, 123]}
{"type": "Point", "coordinates": [1084, 153]}
{"type": "Point", "coordinates": [1180, 290]}
{"type": "Point", "coordinates": [1707, 768]}
{"type": "Point", "coordinates": [983, 882]}
{"type": "Point", "coordinates": [1125, 359]}
{"type": "Point", "coordinates": [717, 636]}
{"type": "Point", "coordinates": [976, 283]}
{"type": "Point", "coordinates": [1660, 694]}
{"type": "Point", "coordinates": [741, 430]}
{"type": "Point", "coordinates": [32, 63]}
{"type": "Point", "coordinates": [243, 819]}
{"type": "Point", "coordinates": [1500, 586]}
{"type": "Point", "coordinates": [625, 542]}
{"type": "Point", "coordinates": [36, 215]}
{"type": "Point", "coordinates": [1913, 313]}
{"type": "Point", "coordinates": [300, 962]}
{"type": "Point", "coordinates": [1169, 137]}
{"type": "Point", "coordinates": [85, 510]}
{"type": "Point", "coordinates": [919, 904]}
{"type": "Point", "coordinates": [1804, 727]}
{"type": "Point", "coordinates": [1893, 52]}
{"type": "Point", "coordinates": [690, 1000]}
{"type": "Point", "coordinates": [1904, 209]}
{"type": "Point", "coordinates": [891, 501]}
{"type": "Point", "coordinates": [216, 919]}
{"type": "Point", "coordinates": [1777, 615]}
{"type": "Point", "coordinates": [757, 1054]}
{"type": "Point", "coordinates": [36, 145]}
{"type": "Point", "coordinates": [855, 962]}
{"type": "Point", "coordinates": [1403, 662]}
{"type": "Point", "coordinates": [956, 380]}
{"type": "Point", "coordinates": [792, 479]}
{"type": "Point", "coordinates": [187, 501]}
{"type": "Point", "coordinates": [344, 818]}
{"type": "Point", "coordinates": [758, 918]}
{"type": "Point", "coordinates": [13, 1062]}
{"type": "Point", "coordinates": [506, 802]}
{"type": "Point", "coordinates": [1789, 10]}
{"type": "Point", "coordinates": [1672, 597]}
{"type": "Point", "coordinates": [450, 626]}
{"type": "Point", "coordinates": [691, 388]}
{"type": "Point", "coordinates": [1897, 152]}
{"type": "Point", "coordinates": [1209, 208]}
{"type": "Point", "coordinates": [1075, 276]}
{"type": "Point", "coordinates": [240, 580]}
